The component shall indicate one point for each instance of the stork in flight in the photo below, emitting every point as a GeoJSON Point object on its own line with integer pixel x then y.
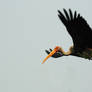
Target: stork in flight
{"type": "Point", "coordinates": [81, 35]}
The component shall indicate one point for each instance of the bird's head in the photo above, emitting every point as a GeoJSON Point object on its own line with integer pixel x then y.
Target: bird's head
{"type": "Point", "coordinates": [54, 53]}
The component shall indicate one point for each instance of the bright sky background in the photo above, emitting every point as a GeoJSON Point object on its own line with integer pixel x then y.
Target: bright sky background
{"type": "Point", "coordinates": [27, 28]}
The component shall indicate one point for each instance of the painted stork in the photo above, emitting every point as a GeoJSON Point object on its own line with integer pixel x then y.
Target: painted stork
{"type": "Point", "coordinates": [81, 35]}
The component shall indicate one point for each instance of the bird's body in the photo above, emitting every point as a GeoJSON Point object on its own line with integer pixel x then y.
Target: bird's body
{"type": "Point", "coordinates": [80, 32]}
{"type": "Point", "coordinates": [86, 53]}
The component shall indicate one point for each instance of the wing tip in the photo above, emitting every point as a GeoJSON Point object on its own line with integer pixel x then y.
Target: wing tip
{"type": "Point", "coordinates": [59, 12]}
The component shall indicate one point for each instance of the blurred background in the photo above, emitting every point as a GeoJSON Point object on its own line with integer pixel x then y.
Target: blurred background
{"type": "Point", "coordinates": [27, 28]}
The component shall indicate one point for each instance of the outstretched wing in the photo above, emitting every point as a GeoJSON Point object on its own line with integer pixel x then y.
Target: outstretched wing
{"type": "Point", "coordinates": [78, 28]}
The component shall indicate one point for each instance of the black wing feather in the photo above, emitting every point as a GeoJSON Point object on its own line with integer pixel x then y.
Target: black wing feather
{"type": "Point", "coordinates": [78, 28]}
{"type": "Point", "coordinates": [62, 18]}
{"type": "Point", "coordinates": [75, 14]}
{"type": "Point", "coordinates": [67, 16]}
{"type": "Point", "coordinates": [71, 16]}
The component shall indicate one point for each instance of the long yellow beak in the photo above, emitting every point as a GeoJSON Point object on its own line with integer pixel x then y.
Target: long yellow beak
{"type": "Point", "coordinates": [53, 52]}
